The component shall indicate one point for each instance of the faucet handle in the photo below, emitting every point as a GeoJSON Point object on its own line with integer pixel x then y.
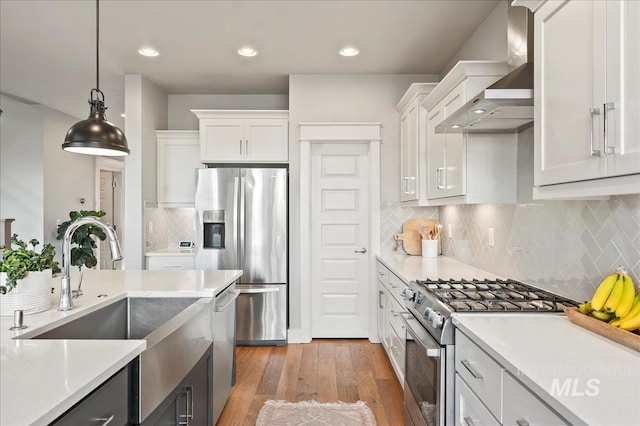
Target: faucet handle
{"type": "Point", "coordinates": [76, 293]}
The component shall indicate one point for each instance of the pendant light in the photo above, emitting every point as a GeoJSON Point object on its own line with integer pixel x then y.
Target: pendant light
{"type": "Point", "coordinates": [96, 135]}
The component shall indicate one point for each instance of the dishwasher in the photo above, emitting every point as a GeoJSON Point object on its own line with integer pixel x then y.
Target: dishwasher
{"type": "Point", "coordinates": [224, 348]}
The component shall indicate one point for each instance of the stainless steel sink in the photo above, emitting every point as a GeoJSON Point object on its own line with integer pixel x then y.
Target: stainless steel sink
{"type": "Point", "coordinates": [177, 332]}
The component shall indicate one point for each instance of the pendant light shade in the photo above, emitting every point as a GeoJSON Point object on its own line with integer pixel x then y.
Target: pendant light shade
{"type": "Point", "coordinates": [96, 135]}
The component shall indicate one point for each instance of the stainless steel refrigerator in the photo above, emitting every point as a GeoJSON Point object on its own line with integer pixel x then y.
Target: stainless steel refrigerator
{"type": "Point", "coordinates": [241, 223]}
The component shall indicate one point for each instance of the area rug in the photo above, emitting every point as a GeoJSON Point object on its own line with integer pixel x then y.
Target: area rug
{"type": "Point", "coordinates": [312, 413]}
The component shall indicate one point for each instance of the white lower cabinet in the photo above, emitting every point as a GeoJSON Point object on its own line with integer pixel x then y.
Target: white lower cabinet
{"type": "Point", "coordinates": [170, 262]}
{"type": "Point", "coordinates": [487, 394]}
{"type": "Point", "coordinates": [521, 407]}
{"type": "Point", "coordinates": [391, 329]}
{"type": "Point", "coordinates": [469, 409]}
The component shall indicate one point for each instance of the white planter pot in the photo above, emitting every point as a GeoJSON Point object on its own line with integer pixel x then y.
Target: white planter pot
{"type": "Point", "coordinates": [32, 294]}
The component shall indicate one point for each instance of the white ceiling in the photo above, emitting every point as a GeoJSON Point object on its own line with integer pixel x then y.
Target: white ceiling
{"type": "Point", "coordinates": [47, 48]}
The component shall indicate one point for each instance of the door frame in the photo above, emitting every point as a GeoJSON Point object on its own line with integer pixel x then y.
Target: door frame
{"type": "Point", "coordinates": [317, 133]}
{"type": "Point", "coordinates": [109, 165]}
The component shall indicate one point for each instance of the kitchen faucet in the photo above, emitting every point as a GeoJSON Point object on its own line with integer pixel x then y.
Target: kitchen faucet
{"type": "Point", "coordinates": [114, 245]}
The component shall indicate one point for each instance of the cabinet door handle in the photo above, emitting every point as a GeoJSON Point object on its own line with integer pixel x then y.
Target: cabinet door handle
{"type": "Point", "coordinates": [189, 403]}
{"type": "Point", "coordinates": [380, 294]}
{"type": "Point", "coordinates": [469, 421]}
{"type": "Point", "coordinates": [608, 149]}
{"type": "Point", "coordinates": [412, 185]}
{"type": "Point", "coordinates": [592, 112]}
{"type": "Point", "coordinates": [405, 185]}
{"type": "Point", "coordinates": [439, 180]}
{"type": "Point", "coordinates": [472, 370]}
{"type": "Point", "coordinates": [522, 422]}
{"type": "Point", "coordinates": [240, 146]}
{"type": "Point", "coordinates": [105, 421]}
{"type": "Point", "coordinates": [246, 147]}
{"type": "Point", "coordinates": [361, 251]}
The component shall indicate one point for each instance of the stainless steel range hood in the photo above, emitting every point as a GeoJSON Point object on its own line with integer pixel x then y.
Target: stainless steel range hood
{"type": "Point", "coordinates": [507, 105]}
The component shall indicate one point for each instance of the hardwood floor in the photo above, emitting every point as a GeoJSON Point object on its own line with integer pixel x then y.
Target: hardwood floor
{"type": "Point", "coordinates": [325, 370]}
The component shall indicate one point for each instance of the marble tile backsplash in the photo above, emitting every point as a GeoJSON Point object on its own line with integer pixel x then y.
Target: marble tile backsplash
{"type": "Point", "coordinates": [393, 215]}
{"type": "Point", "coordinates": [564, 246]}
{"type": "Point", "coordinates": [170, 225]}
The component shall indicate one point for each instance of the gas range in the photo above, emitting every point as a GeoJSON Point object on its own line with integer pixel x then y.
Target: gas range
{"type": "Point", "coordinates": [432, 302]}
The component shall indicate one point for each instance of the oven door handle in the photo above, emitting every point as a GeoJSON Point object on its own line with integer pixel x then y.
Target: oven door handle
{"type": "Point", "coordinates": [431, 347]}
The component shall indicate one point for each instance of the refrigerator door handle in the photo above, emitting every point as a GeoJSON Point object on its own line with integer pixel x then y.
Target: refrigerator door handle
{"type": "Point", "coordinates": [241, 224]}
{"type": "Point", "coordinates": [259, 290]}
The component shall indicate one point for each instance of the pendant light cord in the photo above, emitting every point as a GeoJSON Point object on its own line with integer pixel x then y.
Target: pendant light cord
{"type": "Point", "coordinates": [98, 45]}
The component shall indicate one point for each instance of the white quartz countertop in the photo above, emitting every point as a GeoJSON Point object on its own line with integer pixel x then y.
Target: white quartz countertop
{"type": "Point", "coordinates": [41, 379]}
{"type": "Point", "coordinates": [171, 251]}
{"type": "Point", "coordinates": [409, 268]}
{"type": "Point", "coordinates": [547, 351]}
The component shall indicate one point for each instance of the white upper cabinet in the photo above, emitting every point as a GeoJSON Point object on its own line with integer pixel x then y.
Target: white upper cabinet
{"type": "Point", "coordinates": [413, 141]}
{"type": "Point", "coordinates": [178, 159]}
{"type": "Point", "coordinates": [446, 152]}
{"type": "Point", "coordinates": [243, 136]}
{"type": "Point", "coordinates": [466, 168]}
{"type": "Point", "coordinates": [587, 98]}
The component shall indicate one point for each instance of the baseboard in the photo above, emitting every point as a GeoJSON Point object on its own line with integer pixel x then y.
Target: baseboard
{"type": "Point", "coordinates": [295, 335]}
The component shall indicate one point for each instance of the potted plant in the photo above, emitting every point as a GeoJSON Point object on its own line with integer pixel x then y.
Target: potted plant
{"type": "Point", "coordinates": [83, 238]}
{"type": "Point", "coordinates": [25, 276]}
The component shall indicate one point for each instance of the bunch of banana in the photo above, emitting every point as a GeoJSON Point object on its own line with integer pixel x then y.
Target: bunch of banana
{"type": "Point", "coordinates": [615, 301]}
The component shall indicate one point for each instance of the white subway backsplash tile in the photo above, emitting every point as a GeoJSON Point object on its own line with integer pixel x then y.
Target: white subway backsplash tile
{"type": "Point", "coordinates": [393, 215]}
{"type": "Point", "coordinates": [563, 246]}
{"type": "Point", "coordinates": [170, 225]}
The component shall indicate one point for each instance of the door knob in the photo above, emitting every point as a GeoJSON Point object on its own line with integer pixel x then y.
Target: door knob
{"type": "Point", "coordinates": [362, 250]}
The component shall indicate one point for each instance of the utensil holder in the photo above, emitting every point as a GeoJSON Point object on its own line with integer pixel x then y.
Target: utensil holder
{"type": "Point", "coordinates": [429, 248]}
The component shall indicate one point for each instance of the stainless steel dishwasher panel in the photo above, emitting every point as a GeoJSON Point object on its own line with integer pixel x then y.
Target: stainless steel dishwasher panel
{"type": "Point", "coordinates": [224, 348]}
{"type": "Point", "coordinates": [261, 315]}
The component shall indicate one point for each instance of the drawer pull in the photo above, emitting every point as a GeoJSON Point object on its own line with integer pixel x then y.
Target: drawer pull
{"type": "Point", "coordinates": [172, 266]}
{"type": "Point", "coordinates": [522, 422]}
{"type": "Point", "coordinates": [105, 421]}
{"type": "Point", "coordinates": [469, 421]}
{"type": "Point", "coordinates": [380, 273]}
{"type": "Point", "coordinates": [472, 370]}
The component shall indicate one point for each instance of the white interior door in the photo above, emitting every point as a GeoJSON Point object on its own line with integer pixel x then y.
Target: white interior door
{"type": "Point", "coordinates": [111, 197]}
{"type": "Point", "coordinates": [106, 204]}
{"type": "Point", "coordinates": [340, 249]}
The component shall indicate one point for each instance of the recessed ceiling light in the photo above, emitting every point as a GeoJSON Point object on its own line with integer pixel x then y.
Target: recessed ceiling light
{"type": "Point", "coordinates": [247, 51]}
{"type": "Point", "coordinates": [349, 51]}
{"type": "Point", "coordinates": [479, 111]}
{"type": "Point", "coordinates": [455, 126]}
{"type": "Point", "coordinates": [122, 115]}
{"type": "Point", "coordinates": [148, 51]}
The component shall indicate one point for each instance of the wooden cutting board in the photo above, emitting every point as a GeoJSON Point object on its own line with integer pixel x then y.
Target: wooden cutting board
{"type": "Point", "coordinates": [410, 237]}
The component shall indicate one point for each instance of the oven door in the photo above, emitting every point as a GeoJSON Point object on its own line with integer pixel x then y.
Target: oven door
{"type": "Point", "coordinates": [424, 377]}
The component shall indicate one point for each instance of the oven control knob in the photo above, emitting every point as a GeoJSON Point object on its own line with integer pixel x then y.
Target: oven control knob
{"type": "Point", "coordinates": [408, 294]}
{"type": "Point", "coordinates": [428, 314]}
{"type": "Point", "coordinates": [436, 320]}
{"type": "Point", "coordinates": [419, 298]}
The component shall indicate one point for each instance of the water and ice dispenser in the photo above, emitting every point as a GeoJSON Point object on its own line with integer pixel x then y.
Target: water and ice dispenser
{"type": "Point", "coordinates": [213, 229]}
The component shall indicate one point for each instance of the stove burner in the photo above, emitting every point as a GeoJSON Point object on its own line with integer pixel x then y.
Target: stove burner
{"type": "Point", "coordinates": [493, 296]}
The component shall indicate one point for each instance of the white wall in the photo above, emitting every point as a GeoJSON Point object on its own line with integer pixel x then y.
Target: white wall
{"type": "Point", "coordinates": [68, 176]}
{"type": "Point", "coordinates": [40, 182]}
{"type": "Point", "coordinates": [146, 111]}
{"type": "Point", "coordinates": [488, 42]}
{"type": "Point", "coordinates": [21, 171]}
{"type": "Point", "coordinates": [180, 106]}
{"type": "Point", "coordinates": [342, 98]}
